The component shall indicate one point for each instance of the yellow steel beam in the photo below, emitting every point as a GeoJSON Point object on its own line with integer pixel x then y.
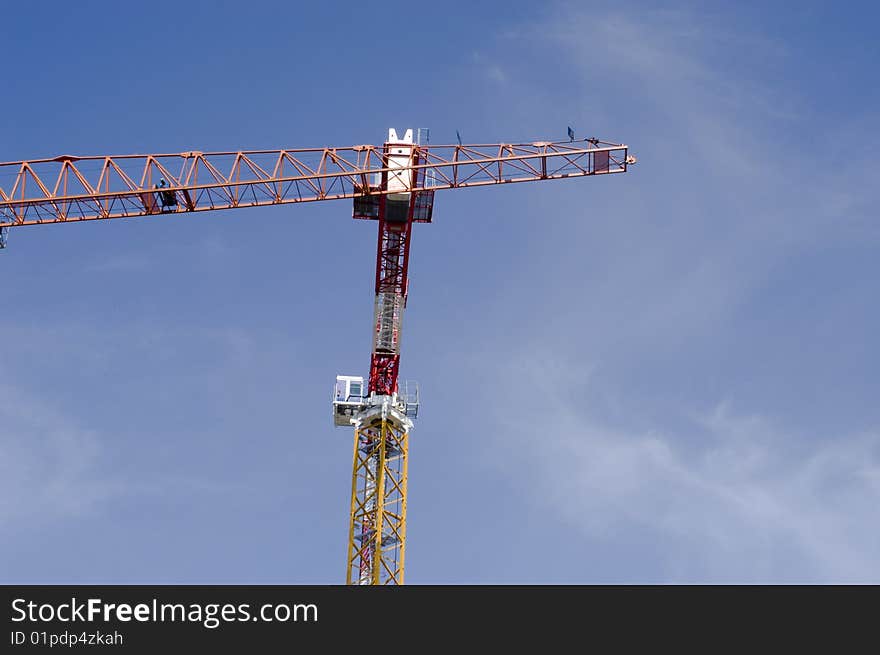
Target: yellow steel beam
{"type": "Point", "coordinates": [377, 520]}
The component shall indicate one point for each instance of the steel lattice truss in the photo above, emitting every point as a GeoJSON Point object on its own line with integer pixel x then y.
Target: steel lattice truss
{"type": "Point", "coordinates": [377, 526]}
{"type": "Point", "coordinates": [68, 189]}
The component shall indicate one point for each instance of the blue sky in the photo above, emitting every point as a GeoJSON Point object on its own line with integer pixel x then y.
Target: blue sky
{"type": "Point", "coordinates": [667, 376]}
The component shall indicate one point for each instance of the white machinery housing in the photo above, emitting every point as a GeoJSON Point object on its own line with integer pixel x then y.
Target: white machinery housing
{"type": "Point", "coordinates": [349, 399]}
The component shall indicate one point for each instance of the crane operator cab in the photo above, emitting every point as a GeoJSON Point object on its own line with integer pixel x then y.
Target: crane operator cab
{"type": "Point", "coordinates": [349, 397]}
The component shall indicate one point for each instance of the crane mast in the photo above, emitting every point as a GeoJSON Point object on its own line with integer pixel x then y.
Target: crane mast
{"type": "Point", "coordinates": [393, 184]}
{"type": "Point", "coordinates": [377, 522]}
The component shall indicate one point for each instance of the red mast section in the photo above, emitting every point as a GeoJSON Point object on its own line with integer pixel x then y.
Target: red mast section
{"type": "Point", "coordinates": [397, 209]}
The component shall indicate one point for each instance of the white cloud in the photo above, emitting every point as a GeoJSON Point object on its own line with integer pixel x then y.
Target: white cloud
{"type": "Point", "coordinates": [52, 465]}
{"type": "Point", "coordinates": [491, 69]}
{"type": "Point", "coordinates": [730, 490]}
{"type": "Point", "coordinates": [723, 198]}
{"type": "Point", "coordinates": [49, 466]}
{"type": "Point", "coordinates": [121, 263]}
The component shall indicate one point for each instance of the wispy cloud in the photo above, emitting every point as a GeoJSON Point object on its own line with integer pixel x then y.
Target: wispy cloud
{"type": "Point", "coordinates": [49, 465]}
{"type": "Point", "coordinates": [490, 68]}
{"type": "Point", "coordinates": [724, 196]}
{"type": "Point", "coordinates": [732, 491]}
{"type": "Point", "coordinates": [205, 252]}
{"type": "Point", "coordinates": [57, 466]}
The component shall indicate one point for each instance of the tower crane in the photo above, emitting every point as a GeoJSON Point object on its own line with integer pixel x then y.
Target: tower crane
{"type": "Point", "coordinates": [393, 184]}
